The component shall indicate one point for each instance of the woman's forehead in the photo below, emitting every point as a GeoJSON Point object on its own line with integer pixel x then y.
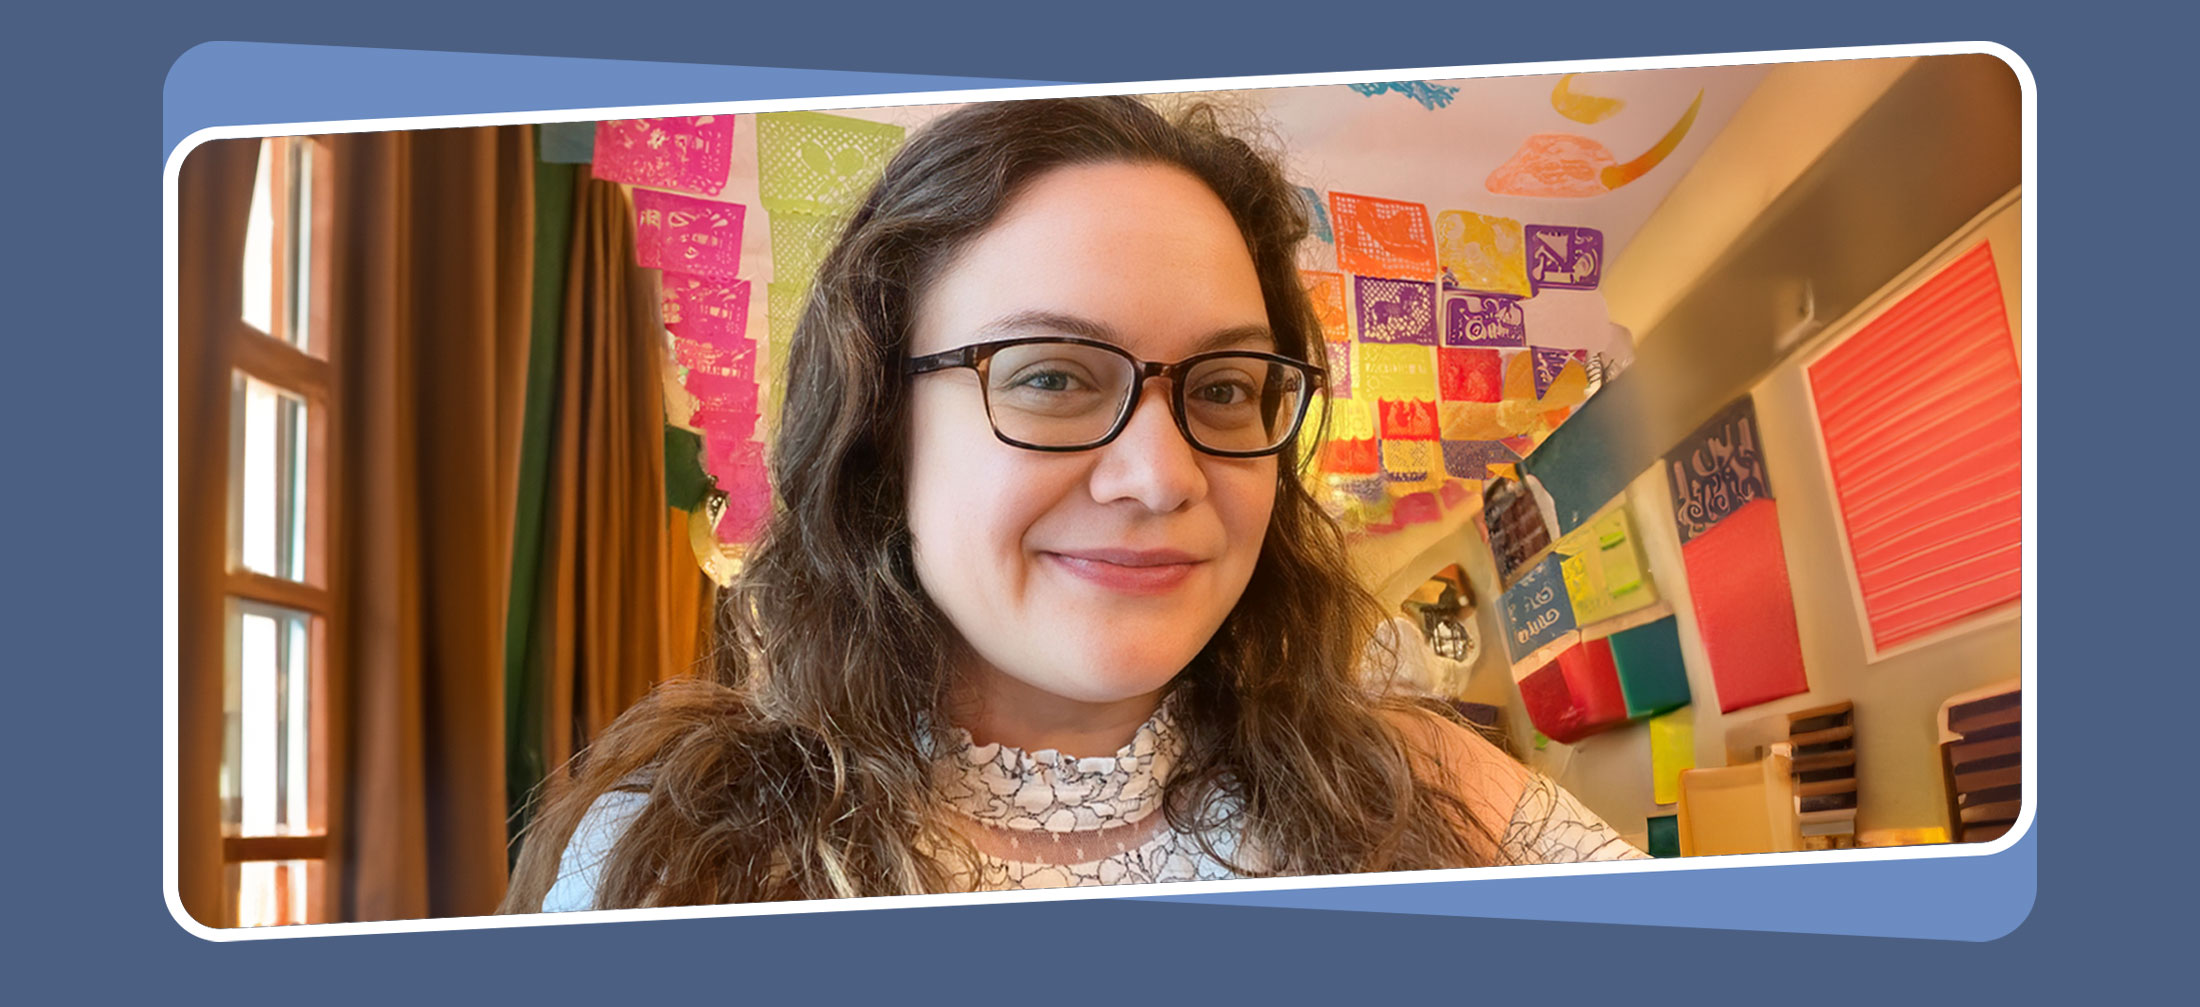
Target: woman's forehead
{"type": "Point", "coordinates": [1141, 255]}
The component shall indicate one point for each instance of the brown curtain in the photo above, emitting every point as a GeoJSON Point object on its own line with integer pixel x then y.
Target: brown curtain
{"type": "Point", "coordinates": [429, 294]}
{"type": "Point", "coordinates": [213, 202]}
{"type": "Point", "coordinates": [621, 599]}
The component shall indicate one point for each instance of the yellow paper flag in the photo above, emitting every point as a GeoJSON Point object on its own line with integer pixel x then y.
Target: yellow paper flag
{"type": "Point", "coordinates": [1672, 749]}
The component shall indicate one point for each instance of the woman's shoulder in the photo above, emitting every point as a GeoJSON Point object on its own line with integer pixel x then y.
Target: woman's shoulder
{"type": "Point", "coordinates": [580, 866]}
{"type": "Point", "coordinates": [1538, 821]}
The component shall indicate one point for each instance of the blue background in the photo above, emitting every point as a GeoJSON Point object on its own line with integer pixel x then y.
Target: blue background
{"type": "Point", "coordinates": [81, 411]}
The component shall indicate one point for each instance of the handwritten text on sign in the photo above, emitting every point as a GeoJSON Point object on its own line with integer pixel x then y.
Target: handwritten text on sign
{"type": "Point", "coordinates": [1717, 469]}
{"type": "Point", "coordinates": [1537, 610]}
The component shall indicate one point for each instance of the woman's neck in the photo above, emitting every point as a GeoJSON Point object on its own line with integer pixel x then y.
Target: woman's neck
{"type": "Point", "coordinates": [997, 708]}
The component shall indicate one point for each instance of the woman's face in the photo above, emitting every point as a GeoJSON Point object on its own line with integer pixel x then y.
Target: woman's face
{"type": "Point", "coordinates": [1091, 576]}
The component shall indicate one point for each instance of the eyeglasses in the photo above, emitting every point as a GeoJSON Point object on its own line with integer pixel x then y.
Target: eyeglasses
{"type": "Point", "coordinates": [1056, 393]}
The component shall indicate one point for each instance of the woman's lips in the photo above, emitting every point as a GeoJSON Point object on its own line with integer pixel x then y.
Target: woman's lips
{"type": "Point", "coordinates": [1153, 571]}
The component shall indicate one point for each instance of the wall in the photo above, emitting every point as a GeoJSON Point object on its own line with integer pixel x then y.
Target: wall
{"type": "Point", "coordinates": [1897, 698]}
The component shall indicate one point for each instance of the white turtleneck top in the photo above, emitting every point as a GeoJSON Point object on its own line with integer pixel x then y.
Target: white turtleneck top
{"type": "Point", "coordinates": [1046, 820]}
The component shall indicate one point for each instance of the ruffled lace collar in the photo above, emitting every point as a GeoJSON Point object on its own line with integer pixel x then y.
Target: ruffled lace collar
{"type": "Point", "coordinates": [1046, 791]}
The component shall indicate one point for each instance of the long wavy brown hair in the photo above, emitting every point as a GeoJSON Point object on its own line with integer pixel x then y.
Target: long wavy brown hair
{"type": "Point", "coordinates": [796, 768]}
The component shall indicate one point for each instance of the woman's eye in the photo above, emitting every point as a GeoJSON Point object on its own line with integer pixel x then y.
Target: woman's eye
{"type": "Point", "coordinates": [1047, 381]}
{"type": "Point", "coordinates": [1223, 393]}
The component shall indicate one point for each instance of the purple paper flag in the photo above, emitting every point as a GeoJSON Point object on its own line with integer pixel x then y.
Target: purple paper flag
{"type": "Point", "coordinates": [1564, 258]}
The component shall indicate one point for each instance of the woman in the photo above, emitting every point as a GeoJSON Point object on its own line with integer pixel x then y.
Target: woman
{"type": "Point", "coordinates": [1045, 604]}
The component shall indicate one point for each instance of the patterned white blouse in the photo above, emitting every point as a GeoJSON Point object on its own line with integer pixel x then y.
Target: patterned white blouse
{"type": "Point", "coordinates": [1046, 820]}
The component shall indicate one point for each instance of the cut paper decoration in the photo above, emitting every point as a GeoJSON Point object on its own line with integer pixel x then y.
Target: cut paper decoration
{"type": "Point", "coordinates": [1516, 529]}
{"type": "Point", "coordinates": [1338, 359]}
{"type": "Point", "coordinates": [1472, 459]}
{"type": "Point", "coordinates": [1651, 671]}
{"type": "Point", "coordinates": [733, 425]}
{"type": "Point", "coordinates": [1567, 389]}
{"type": "Point", "coordinates": [1579, 107]}
{"type": "Point", "coordinates": [1430, 96]}
{"type": "Point", "coordinates": [1396, 372]}
{"type": "Point", "coordinates": [800, 242]}
{"type": "Point", "coordinates": [1407, 419]}
{"type": "Point", "coordinates": [1395, 311]}
{"type": "Point", "coordinates": [706, 309]}
{"type": "Point", "coordinates": [1564, 258]}
{"type": "Point", "coordinates": [1317, 215]}
{"type": "Point", "coordinates": [1717, 470]}
{"type": "Point", "coordinates": [1382, 237]}
{"type": "Point", "coordinates": [1745, 609]}
{"type": "Point", "coordinates": [1469, 375]}
{"type": "Point", "coordinates": [1352, 419]}
{"type": "Point", "coordinates": [748, 497]}
{"type": "Point", "coordinates": [811, 162]}
{"type": "Point", "coordinates": [1537, 614]}
{"type": "Point", "coordinates": [1921, 411]}
{"type": "Point", "coordinates": [734, 358]}
{"type": "Point", "coordinates": [1408, 466]}
{"type": "Point", "coordinates": [690, 153]}
{"type": "Point", "coordinates": [1672, 752]}
{"type": "Point", "coordinates": [782, 310]}
{"type": "Point", "coordinates": [1418, 508]}
{"type": "Point", "coordinates": [1520, 376]}
{"type": "Point", "coordinates": [1482, 253]}
{"type": "Point", "coordinates": [1553, 165]}
{"type": "Point", "coordinates": [1621, 174]}
{"type": "Point", "coordinates": [1485, 421]}
{"type": "Point", "coordinates": [1483, 320]}
{"type": "Point", "coordinates": [567, 143]}
{"type": "Point", "coordinates": [1351, 457]}
{"type": "Point", "coordinates": [714, 392]}
{"type": "Point", "coordinates": [1548, 364]}
{"type": "Point", "coordinates": [1621, 553]}
{"type": "Point", "coordinates": [1326, 290]}
{"type": "Point", "coordinates": [1576, 694]}
{"type": "Point", "coordinates": [701, 237]}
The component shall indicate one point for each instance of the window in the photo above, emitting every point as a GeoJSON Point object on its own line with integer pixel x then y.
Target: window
{"type": "Point", "coordinates": [278, 606]}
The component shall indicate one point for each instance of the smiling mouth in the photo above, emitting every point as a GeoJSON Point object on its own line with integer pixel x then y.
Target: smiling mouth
{"type": "Point", "coordinates": [1127, 571]}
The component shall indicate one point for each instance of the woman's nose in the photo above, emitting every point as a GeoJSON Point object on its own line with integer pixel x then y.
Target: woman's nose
{"type": "Point", "coordinates": [1150, 461]}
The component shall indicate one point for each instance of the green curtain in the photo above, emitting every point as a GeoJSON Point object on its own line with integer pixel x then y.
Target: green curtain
{"type": "Point", "coordinates": [523, 685]}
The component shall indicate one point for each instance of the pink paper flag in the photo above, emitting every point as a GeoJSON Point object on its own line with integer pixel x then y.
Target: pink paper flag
{"type": "Point", "coordinates": [691, 153]}
{"type": "Point", "coordinates": [728, 425]}
{"type": "Point", "coordinates": [713, 391]}
{"type": "Point", "coordinates": [706, 309]}
{"type": "Point", "coordinates": [735, 358]}
{"type": "Point", "coordinates": [701, 237]}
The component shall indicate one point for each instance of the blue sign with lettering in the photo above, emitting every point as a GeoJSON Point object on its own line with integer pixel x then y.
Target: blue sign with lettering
{"type": "Point", "coordinates": [1537, 610]}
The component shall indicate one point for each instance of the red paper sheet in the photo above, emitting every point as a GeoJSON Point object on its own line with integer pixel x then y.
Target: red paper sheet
{"type": "Point", "coordinates": [1577, 694]}
{"type": "Point", "coordinates": [1745, 611]}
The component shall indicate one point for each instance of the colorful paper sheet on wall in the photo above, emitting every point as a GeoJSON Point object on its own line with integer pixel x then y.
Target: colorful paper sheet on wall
{"type": "Point", "coordinates": [1717, 470]}
{"type": "Point", "coordinates": [1537, 612]}
{"type": "Point", "coordinates": [811, 162]}
{"type": "Point", "coordinates": [1483, 320]}
{"type": "Point", "coordinates": [1549, 364]}
{"type": "Point", "coordinates": [1553, 165]}
{"type": "Point", "coordinates": [1327, 291]}
{"type": "Point", "coordinates": [1922, 413]}
{"type": "Point", "coordinates": [689, 153]}
{"type": "Point", "coordinates": [1395, 311]}
{"type": "Point", "coordinates": [1472, 459]}
{"type": "Point", "coordinates": [1604, 581]}
{"type": "Point", "coordinates": [1575, 694]}
{"type": "Point", "coordinates": [1382, 237]}
{"type": "Point", "coordinates": [1516, 528]}
{"type": "Point", "coordinates": [1469, 375]}
{"type": "Point", "coordinates": [1482, 253]}
{"type": "Point", "coordinates": [1652, 673]}
{"type": "Point", "coordinates": [1411, 466]}
{"type": "Point", "coordinates": [1407, 419]}
{"type": "Point", "coordinates": [1663, 835]}
{"type": "Point", "coordinates": [1341, 360]}
{"type": "Point", "coordinates": [783, 308]}
{"type": "Point", "coordinates": [700, 237]}
{"type": "Point", "coordinates": [1745, 608]}
{"type": "Point", "coordinates": [747, 486]}
{"type": "Point", "coordinates": [706, 309]}
{"type": "Point", "coordinates": [1672, 752]}
{"type": "Point", "coordinates": [1397, 371]}
{"type": "Point", "coordinates": [1428, 95]}
{"type": "Point", "coordinates": [1564, 258]}
{"type": "Point", "coordinates": [1580, 106]}
{"type": "Point", "coordinates": [799, 244]}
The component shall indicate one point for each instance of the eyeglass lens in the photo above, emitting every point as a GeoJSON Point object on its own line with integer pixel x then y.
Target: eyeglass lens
{"type": "Point", "coordinates": [1072, 395]}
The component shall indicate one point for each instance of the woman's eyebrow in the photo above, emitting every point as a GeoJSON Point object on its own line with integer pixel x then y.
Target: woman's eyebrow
{"type": "Point", "coordinates": [1056, 323]}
